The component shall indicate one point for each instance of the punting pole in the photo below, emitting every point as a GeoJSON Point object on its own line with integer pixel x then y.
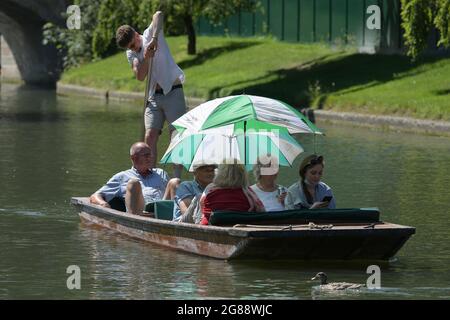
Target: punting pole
{"type": "Point", "coordinates": [147, 89]}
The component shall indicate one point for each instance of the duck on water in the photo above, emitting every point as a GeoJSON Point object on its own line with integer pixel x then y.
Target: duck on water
{"type": "Point", "coordinates": [324, 285]}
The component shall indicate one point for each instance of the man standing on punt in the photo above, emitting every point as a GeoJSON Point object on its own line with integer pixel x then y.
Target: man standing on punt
{"type": "Point", "coordinates": [166, 96]}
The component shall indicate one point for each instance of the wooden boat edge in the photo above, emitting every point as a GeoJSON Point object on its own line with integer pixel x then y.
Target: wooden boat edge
{"type": "Point", "coordinates": [233, 242]}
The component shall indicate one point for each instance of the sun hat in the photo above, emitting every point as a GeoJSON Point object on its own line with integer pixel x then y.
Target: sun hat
{"type": "Point", "coordinates": [202, 163]}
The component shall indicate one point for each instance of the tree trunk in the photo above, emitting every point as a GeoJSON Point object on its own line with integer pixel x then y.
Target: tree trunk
{"type": "Point", "coordinates": [191, 34]}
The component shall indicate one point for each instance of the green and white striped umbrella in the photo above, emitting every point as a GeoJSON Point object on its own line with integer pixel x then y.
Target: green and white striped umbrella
{"type": "Point", "coordinates": [228, 110]}
{"type": "Point", "coordinates": [244, 140]}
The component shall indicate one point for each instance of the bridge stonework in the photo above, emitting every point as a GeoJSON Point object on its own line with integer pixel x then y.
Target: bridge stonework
{"type": "Point", "coordinates": [21, 24]}
{"type": "Point", "coordinates": [8, 64]}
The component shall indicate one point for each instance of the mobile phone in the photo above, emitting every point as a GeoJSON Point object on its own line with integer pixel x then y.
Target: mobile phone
{"type": "Point", "coordinates": [327, 199]}
{"type": "Point", "coordinates": [281, 190]}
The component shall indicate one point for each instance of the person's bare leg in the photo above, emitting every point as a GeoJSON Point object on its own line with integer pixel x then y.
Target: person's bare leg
{"type": "Point", "coordinates": [177, 168]}
{"type": "Point", "coordinates": [151, 138]}
{"type": "Point", "coordinates": [134, 200]}
{"type": "Point", "coordinates": [171, 189]}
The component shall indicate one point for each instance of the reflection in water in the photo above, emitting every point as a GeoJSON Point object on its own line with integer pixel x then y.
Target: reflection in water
{"type": "Point", "coordinates": [122, 267]}
{"type": "Point", "coordinates": [55, 147]}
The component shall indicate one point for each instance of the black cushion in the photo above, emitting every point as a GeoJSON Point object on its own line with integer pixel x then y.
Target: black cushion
{"type": "Point", "coordinates": [219, 218]}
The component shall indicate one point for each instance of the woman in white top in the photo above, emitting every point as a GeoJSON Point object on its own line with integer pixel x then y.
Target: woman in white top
{"type": "Point", "coordinates": [310, 192]}
{"type": "Point", "coordinates": [271, 194]}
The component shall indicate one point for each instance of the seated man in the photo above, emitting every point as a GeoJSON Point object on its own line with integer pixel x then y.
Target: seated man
{"type": "Point", "coordinates": [139, 185]}
{"type": "Point", "coordinates": [203, 175]}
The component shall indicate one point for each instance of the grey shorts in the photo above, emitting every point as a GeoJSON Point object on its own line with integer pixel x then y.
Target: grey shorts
{"type": "Point", "coordinates": [162, 107]}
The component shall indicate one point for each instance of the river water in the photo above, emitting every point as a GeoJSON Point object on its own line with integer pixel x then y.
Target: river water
{"type": "Point", "coordinates": [53, 147]}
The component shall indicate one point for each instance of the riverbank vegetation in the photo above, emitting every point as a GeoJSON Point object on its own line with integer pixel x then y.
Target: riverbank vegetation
{"type": "Point", "coordinates": [420, 19]}
{"type": "Point", "coordinates": [312, 75]}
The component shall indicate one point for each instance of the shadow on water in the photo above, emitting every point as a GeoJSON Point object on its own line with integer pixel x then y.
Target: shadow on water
{"type": "Point", "coordinates": [302, 84]}
{"type": "Point", "coordinates": [32, 104]}
{"type": "Point", "coordinates": [212, 53]}
{"type": "Point", "coordinates": [312, 265]}
{"type": "Point", "coordinates": [31, 117]}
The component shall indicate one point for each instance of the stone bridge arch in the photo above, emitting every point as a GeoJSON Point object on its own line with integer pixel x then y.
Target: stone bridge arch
{"type": "Point", "coordinates": [21, 24]}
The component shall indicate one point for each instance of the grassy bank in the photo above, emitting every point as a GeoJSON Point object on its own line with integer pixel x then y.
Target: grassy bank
{"type": "Point", "coordinates": [302, 75]}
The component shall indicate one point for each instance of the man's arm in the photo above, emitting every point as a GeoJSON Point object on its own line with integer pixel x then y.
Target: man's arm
{"type": "Point", "coordinates": [141, 69]}
{"type": "Point", "coordinates": [158, 19]}
{"type": "Point", "coordinates": [97, 198]}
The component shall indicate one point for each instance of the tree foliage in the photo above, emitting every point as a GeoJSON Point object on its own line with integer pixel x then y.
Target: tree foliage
{"type": "Point", "coordinates": [74, 46]}
{"type": "Point", "coordinates": [216, 11]}
{"type": "Point", "coordinates": [180, 17]}
{"type": "Point", "coordinates": [137, 13]}
{"type": "Point", "coordinates": [419, 17]}
{"type": "Point", "coordinates": [101, 18]}
{"type": "Point", "coordinates": [442, 22]}
{"type": "Point", "coordinates": [111, 15]}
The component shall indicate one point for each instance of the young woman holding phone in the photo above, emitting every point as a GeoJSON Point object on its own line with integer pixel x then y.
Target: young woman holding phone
{"type": "Point", "coordinates": [309, 192]}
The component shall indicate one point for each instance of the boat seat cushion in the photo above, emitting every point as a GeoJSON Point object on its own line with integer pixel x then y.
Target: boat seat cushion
{"type": "Point", "coordinates": [356, 215]}
{"type": "Point", "coordinates": [163, 209]}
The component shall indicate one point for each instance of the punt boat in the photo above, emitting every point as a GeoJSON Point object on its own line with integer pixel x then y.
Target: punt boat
{"type": "Point", "coordinates": [330, 234]}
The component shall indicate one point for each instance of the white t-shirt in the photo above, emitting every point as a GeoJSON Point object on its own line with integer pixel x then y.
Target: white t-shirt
{"type": "Point", "coordinates": [164, 69]}
{"type": "Point", "coordinates": [269, 199]}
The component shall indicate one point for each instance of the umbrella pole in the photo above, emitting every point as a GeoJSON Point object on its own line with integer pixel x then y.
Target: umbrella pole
{"type": "Point", "coordinates": [315, 144]}
{"type": "Point", "coordinates": [245, 144]}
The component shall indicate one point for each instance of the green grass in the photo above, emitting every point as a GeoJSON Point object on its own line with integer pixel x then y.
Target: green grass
{"type": "Point", "coordinates": [303, 75]}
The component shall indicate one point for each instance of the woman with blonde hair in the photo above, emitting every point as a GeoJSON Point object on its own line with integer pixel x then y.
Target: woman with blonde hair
{"type": "Point", "coordinates": [229, 191]}
{"type": "Point", "coordinates": [309, 192]}
{"type": "Point", "coordinates": [271, 194]}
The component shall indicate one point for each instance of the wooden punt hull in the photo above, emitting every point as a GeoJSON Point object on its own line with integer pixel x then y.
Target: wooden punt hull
{"type": "Point", "coordinates": [341, 242]}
